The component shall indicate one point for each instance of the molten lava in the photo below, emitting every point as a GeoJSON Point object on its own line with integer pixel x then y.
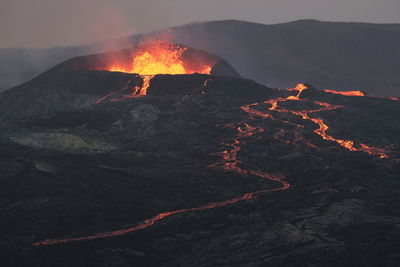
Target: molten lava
{"type": "Point", "coordinates": [322, 126]}
{"type": "Point", "coordinates": [160, 58]}
{"type": "Point", "coordinates": [299, 88]}
{"type": "Point", "coordinates": [346, 93]}
{"type": "Point", "coordinates": [145, 86]}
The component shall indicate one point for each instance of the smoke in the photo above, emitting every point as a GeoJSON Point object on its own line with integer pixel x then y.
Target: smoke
{"type": "Point", "coordinates": [109, 27]}
{"type": "Point", "coordinates": [100, 23]}
{"type": "Point", "coordinates": [108, 23]}
{"type": "Point", "coordinates": [42, 23]}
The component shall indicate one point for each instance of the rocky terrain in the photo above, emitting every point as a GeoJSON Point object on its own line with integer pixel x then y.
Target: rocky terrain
{"type": "Point", "coordinates": [295, 177]}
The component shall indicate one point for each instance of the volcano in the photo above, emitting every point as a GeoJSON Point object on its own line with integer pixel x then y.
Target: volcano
{"type": "Point", "coordinates": [82, 81]}
{"type": "Point", "coordinates": [163, 155]}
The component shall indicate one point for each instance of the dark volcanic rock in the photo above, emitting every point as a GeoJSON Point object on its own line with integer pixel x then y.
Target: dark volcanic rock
{"type": "Point", "coordinates": [63, 91]}
{"type": "Point", "coordinates": [94, 168]}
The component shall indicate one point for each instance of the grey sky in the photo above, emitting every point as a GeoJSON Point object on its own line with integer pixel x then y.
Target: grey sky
{"type": "Point", "coordinates": [46, 23]}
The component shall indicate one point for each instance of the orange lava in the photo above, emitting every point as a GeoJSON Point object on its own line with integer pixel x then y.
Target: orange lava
{"type": "Point", "coordinates": [299, 88]}
{"type": "Point", "coordinates": [159, 58]}
{"type": "Point", "coordinates": [145, 86]}
{"type": "Point", "coordinates": [346, 93]}
{"type": "Point", "coordinates": [152, 59]}
{"type": "Point", "coordinates": [144, 224]}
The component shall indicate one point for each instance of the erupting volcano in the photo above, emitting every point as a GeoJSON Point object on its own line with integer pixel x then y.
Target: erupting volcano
{"type": "Point", "coordinates": [146, 61]}
{"type": "Point", "coordinates": [161, 58]}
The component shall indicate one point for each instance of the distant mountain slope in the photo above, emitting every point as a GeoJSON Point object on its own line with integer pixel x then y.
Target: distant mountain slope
{"type": "Point", "coordinates": [328, 54]}
{"type": "Point", "coordinates": [20, 65]}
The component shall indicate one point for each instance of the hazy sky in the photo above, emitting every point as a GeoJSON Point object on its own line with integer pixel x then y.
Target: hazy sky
{"type": "Point", "coordinates": [47, 23]}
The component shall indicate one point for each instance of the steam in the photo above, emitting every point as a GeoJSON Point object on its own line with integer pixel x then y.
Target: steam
{"type": "Point", "coordinates": [100, 24]}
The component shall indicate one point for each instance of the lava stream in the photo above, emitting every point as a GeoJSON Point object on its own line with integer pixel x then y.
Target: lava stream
{"type": "Point", "coordinates": [346, 93]}
{"type": "Point", "coordinates": [359, 93]}
{"type": "Point", "coordinates": [137, 90]}
{"type": "Point", "coordinates": [323, 127]}
{"type": "Point", "coordinates": [145, 86]}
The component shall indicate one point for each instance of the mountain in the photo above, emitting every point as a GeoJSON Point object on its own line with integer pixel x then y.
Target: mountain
{"type": "Point", "coordinates": [81, 81]}
{"type": "Point", "coordinates": [347, 56]}
{"type": "Point", "coordinates": [105, 168]}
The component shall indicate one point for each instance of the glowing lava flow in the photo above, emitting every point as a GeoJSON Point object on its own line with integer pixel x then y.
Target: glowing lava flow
{"type": "Point", "coordinates": [230, 162]}
{"type": "Point", "coordinates": [137, 91]}
{"type": "Point", "coordinates": [148, 222]}
{"type": "Point", "coordinates": [346, 93]}
{"type": "Point", "coordinates": [323, 128]}
{"type": "Point", "coordinates": [299, 88]}
{"type": "Point", "coordinates": [145, 86]}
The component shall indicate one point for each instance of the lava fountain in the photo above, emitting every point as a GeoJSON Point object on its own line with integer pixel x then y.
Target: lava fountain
{"type": "Point", "coordinates": [158, 58]}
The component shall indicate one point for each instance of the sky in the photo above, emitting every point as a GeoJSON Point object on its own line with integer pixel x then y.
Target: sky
{"type": "Point", "coordinates": [49, 23]}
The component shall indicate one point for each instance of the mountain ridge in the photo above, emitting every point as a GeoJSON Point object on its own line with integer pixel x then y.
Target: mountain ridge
{"type": "Point", "coordinates": [283, 66]}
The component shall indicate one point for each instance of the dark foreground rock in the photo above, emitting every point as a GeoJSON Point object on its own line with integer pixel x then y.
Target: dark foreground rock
{"type": "Point", "coordinates": [108, 166]}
